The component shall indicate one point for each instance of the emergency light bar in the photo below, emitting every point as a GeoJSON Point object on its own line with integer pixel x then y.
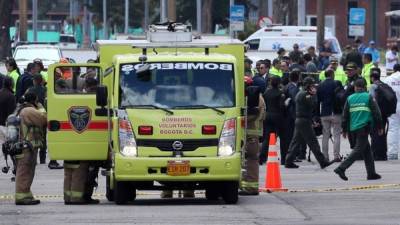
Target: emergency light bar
{"type": "Point", "coordinates": [145, 46]}
{"type": "Point", "coordinates": [169, 32]}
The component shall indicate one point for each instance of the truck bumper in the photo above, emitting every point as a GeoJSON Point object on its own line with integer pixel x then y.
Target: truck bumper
{"type": "Point", "coordinates": [155, 168]}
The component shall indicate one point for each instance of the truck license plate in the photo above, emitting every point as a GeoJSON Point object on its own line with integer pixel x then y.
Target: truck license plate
{"type": "Point", "coordinates": [178, 168]}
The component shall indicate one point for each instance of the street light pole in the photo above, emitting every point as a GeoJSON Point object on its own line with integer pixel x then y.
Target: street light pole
{"type": "Point", "coordinates": [146, 14]}
{"type": "Point", "coordinates": [126, 16]}
{"type": "Point", "coordinates": [163, 10]}
{"type": "Point", "coordinates": [231, 33]}
{"type": "Point", "coordinates": [105, 27]}
{"type": "Point", "coordinates": [198, 15]}
{"type": "Point", "coordinates": [320, 22]}
{"type": "Point", "coordinates": [34, 19]}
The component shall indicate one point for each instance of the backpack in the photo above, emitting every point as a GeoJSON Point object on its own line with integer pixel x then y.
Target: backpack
{"type": "Point", "coordinates": [386, 99]}
{"type": "Point", "coordinates": [339, 99]}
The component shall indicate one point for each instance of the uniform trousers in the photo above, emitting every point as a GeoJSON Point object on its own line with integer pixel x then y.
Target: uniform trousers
{"type": "Point", "coordinates": [26, 165]}
{"type": "Point", "coordinates": [304, 134]}
{"type": "Point", "coordinates": [361, 148]}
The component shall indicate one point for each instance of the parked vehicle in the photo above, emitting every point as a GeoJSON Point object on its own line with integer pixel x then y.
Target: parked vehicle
{"type": "Point", "coordinates": [266, 41]}
{"type": "Point", "coordinates": [26, 52]}
{"type": "Point", "coordinates": [68, 41]}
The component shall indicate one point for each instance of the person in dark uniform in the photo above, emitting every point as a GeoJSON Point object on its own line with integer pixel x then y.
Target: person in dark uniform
{"type": "Point", "coordinates": [360, 112]}
{"type": "Point", "coordinates": [303, 131]}
{"type": "Point", "coordinates": [274, 119]}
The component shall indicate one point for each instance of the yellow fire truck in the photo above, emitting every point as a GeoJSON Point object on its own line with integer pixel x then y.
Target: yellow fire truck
{"type": "Point", "coordinates": [161, 114]}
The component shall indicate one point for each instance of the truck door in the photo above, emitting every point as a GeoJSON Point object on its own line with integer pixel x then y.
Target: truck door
{"type": "Point", "coordinates": [74, 131]}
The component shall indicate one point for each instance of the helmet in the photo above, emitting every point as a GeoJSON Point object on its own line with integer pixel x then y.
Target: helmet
{"type": "Point", "coordinates": [308, 82]}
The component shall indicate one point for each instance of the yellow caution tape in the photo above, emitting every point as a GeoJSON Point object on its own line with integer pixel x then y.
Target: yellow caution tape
{"type": "Point", "coordinates": [355, 188]}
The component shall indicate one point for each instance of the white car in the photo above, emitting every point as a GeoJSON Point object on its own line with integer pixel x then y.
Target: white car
{"type": "Point", "coordinates": [68, 41]}
{"type": "Point", "coordinates": [25, 54]}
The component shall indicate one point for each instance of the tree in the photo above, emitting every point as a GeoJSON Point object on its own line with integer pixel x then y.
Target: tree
{"type": "Point", "coordinates": [285, 12]}
{"type": "Point", "coordinates": [207, 16]}
{"type": "Point", "coordinates": [6, 7]}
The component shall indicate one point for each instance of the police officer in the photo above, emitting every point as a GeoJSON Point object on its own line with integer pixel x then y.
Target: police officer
{"type": "Point", "coordinates": [255, 117]}
{"type": "Point", "coordinates": [360, 112]}
{"type": "Point", "coordinates": [33, 119]}
{"type": "Point", "coordinates": [303, 131]}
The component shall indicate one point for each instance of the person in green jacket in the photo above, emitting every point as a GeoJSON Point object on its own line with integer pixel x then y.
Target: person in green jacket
{"type": "Point", "coordinates": [12, 71]}
{"type": "Point", "coordinates": [42, 71]}
{"type": "Point", "coordinates": [340, 75]}
{"type": "Point", "coordinates": [276, 68]}
{"type": "Point", "coordinates": [368, 65]}
{"type": "Point", "coordinates": [360, 113]}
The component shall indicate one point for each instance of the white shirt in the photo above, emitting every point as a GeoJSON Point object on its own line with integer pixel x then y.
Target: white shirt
{"type": "Point", "coordinates": [391, 56]}
{"type": "Point", "coordinates": [394, 82]}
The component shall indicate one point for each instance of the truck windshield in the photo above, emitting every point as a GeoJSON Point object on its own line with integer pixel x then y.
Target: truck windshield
{"type": "Point", "coordinates": [178, 85]}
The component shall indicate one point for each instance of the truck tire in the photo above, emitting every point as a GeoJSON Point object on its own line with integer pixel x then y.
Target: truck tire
{"type": "Point", "coordinates": [109, 191]}
{"type": "Point", "coordinates": [229, 192]}
{"type": "Point", "coordinates": [213, 193]}
{"type": "Point", "coordinates": [121, 192]}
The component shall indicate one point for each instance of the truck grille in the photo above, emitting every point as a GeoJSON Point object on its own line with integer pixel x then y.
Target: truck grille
{"type": "Point", "coordinates": [166, 145]}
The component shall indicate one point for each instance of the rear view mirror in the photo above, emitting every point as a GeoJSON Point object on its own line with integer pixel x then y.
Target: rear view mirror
{"type": "Point", "coordinates": [144, 73]}
{"type": "Point", "coordinates": [101, 96]}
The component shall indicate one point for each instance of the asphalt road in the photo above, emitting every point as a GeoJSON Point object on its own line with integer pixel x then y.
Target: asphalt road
{"type": "Point", "coordinates": [315, 196]}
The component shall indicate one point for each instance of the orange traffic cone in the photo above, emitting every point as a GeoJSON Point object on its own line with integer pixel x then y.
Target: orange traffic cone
{"type": "Point", "coordinates": [273, 175]}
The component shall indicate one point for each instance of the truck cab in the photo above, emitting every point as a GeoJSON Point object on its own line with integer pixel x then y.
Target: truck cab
{"type": "Point", "coordinates": [164, 114]}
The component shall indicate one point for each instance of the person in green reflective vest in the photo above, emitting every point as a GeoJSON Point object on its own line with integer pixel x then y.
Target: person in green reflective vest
{"type": "Point", "coordinates": [276, 68]}
{"type": "Point", "coordinates": [340, 75]}
{"type": "Point", "coordinates": [368, 65]}
{"type": "Point", "coordinates": [12, 71]}
{"type": "Point", "coordinates": [42, 71]}
{"type": "Point", "coordinates": [360, 113]}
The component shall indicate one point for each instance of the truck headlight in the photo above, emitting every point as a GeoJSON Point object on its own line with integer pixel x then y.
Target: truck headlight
{"type": "Point", "coordinates": [127, 142]}
{"type": "Point", "coordinates": [227, 141]}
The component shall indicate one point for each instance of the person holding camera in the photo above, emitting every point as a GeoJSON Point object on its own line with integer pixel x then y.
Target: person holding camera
{"type": "Point", "coordinates": [33, 119]}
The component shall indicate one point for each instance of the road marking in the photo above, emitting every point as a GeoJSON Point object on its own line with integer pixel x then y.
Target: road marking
{"type": "Point", "coordinates": [355, 188]}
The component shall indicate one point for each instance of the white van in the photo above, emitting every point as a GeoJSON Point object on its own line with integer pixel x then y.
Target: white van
{"type": "Point", "coordinates": [265, 42]}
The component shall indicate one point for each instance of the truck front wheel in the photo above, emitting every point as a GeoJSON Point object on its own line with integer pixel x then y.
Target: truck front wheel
{"type": "Point", "coordinates": [229, 192]}
{"type": "Point", "coordinates": [123, 192]}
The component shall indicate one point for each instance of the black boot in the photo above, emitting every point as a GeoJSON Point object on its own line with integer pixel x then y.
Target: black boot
{"type": "Point", "coordinates": [42, 156]}
{"type": "Point", "coordinates": [341, 173]}
{"type": "Point", "coordinates": [53, 164]}
{"type": "Point", "coordinates": [374, 176]}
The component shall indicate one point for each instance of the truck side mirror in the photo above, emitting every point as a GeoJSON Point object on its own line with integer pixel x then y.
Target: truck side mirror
{"type": "Point", "coordinates": [101, 96]}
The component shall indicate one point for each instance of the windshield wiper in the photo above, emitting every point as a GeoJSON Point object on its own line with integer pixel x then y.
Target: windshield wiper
{"type": "Point", "coordinates": [200, 107]}
{"type": "Point", "coordinates": [149, 106]}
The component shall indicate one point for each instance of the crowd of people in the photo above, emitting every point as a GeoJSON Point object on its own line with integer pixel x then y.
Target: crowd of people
{"type": "Point", "coordinates": [307, 95]}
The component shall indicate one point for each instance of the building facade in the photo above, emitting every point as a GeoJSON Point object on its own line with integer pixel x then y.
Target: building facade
{"type": "Point", "coordinates": [378, 27]}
